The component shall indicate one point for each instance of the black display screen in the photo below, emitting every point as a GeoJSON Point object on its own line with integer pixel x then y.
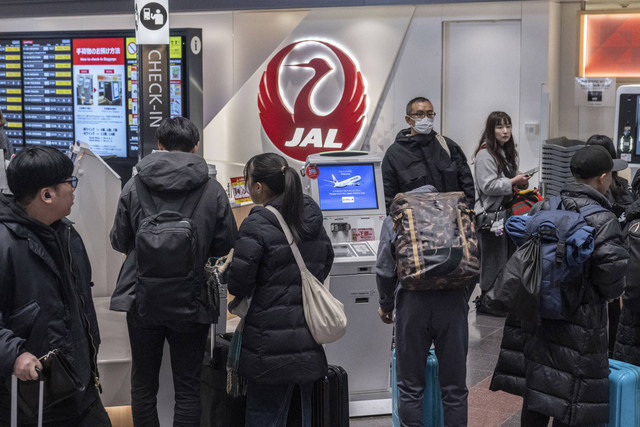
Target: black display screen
{"type": "Point", "coordinates": [59, 90]}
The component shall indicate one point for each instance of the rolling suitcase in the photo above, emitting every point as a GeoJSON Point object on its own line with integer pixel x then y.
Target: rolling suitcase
{"type": "Point", "coordinates": [14, 400]}
{"type": "Point", "coordinates": [624, 395]}
{"type": "Point", "coordinates": [218, 408]}
{"type": "Point", "coordinates": [330, 399]}
{"type": "Point", "coordinates": [433, 414]}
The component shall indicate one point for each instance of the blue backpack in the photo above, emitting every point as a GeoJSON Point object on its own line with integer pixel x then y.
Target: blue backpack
{"type": "Point", "coordinates": [566, 244]}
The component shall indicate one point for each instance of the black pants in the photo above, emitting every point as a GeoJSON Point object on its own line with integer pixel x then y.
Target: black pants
{"type": "Point", "coordinates": [187, 343]}
{"type": "Point", "coordinates": [423, 318]}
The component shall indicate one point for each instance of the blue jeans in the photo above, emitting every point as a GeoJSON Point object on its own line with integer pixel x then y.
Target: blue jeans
{"type": "Point", "coordinates": [268, 405]}
{"type": "Point", "coordinates": [187, 342]}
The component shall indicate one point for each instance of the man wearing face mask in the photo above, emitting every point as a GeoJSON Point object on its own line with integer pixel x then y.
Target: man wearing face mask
{"type": "Point", "coordinates": [419, 156]}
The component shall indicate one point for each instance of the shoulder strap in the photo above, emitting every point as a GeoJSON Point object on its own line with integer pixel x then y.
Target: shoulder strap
{"type": "Point", "coordinates": [147, 204]}
{"type": "Point", "coordinates": [193, 198]}
{"type": "Point", "coordinates": [443, 143]}
{"type": "Point", "coordinates": [592, 209]}
{"type": "Point", "coordinates": [149, 207]}
{"type": "Point", "coordinates": [294, 248]}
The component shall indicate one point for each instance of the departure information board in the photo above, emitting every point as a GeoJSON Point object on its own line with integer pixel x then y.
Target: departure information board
{"type": "Point", "coordinates": [11, 89]}
{"type": "Point", "coordinates": [57, 91]}
{"type": "Point", "coordinates": [47, 87]}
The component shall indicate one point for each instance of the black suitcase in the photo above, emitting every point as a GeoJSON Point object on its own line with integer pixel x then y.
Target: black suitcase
{"type": "Point", "coordinates": [219, 409]}
{"type": "Point", "coordinates": [330, 401]}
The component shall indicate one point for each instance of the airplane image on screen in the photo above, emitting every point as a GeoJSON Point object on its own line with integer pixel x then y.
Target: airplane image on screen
{"type": "Point", "coordinates": [354, 180]}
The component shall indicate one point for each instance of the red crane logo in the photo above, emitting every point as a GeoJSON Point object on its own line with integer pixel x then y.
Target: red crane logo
{"type": "Point", "coordinates": [306, 130]}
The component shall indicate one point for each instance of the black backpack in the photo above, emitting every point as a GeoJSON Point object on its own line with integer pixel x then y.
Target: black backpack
{"type": "Point", "coordinates": [169, 273]}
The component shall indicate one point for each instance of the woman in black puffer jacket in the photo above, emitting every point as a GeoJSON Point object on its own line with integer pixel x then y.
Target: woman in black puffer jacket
{"type": "Point", "coordinates": [561, 366]}
{"type": "Point", "coordinates": [278, 351]}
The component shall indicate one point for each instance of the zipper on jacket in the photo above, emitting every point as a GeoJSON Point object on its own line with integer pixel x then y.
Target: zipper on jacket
{"type": "Point", "coordinates": [94, 350]}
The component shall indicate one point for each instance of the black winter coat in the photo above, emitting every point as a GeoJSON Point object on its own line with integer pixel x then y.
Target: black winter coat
{"type": "Point", "coordinates": [413, 161]}
{"type": "Point", "coordinates": [277, 347]}
{"type": "Point", "coordinates": [566, 365]}
{"type": "Point", "coordinates": [627, 346]}
{"type": "Point", "coordinates": [45, 305]}
{"type": "Point", "coordinates": [170, 176]}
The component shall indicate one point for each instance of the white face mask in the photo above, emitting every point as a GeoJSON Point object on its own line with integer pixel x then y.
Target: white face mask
{"type": "Point", "coordinates": [423, 125]}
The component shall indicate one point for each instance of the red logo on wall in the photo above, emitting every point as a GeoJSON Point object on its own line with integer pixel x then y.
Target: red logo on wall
{"type": "Point", "coordinates": [312, 99]}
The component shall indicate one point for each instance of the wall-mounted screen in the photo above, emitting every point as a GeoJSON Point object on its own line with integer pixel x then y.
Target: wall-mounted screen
{"type": "Point", "coordinates": [79, 87]}
{"type": "Point", "coordinates": [345, 186]}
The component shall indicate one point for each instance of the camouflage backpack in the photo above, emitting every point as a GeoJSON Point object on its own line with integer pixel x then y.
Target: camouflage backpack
{"type": "Point", "coordinates": [436, 244]}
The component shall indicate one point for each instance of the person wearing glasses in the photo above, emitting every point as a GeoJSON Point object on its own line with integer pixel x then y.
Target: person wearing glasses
{"type": "Point", "coordinates": [45, 287]}
{"type": "Point", "coordinates": [420, 156]}
{"type": "Point", "coordinates": [421, 160]}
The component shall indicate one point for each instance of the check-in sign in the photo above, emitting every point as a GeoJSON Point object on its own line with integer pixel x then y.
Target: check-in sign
{"type": "Point", "coordinates": [152, 21]}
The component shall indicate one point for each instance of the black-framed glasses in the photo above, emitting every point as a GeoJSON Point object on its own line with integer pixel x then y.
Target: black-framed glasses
{"type": "Point", "coordinates": [422, 114]}
{"type": "Point", "coordinates": [73, 181]}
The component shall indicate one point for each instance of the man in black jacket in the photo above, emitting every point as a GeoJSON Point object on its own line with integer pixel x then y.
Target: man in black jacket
{"type": "Point", "coordinates": [45, 286]}
{"type": "Point", "coordinates": [170, 176]}
{"type": "Point", "coordinates": [419, 156]}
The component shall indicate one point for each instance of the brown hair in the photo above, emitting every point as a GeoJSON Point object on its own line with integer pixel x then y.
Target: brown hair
{"type": "Point", "coordinates": [488, 141]}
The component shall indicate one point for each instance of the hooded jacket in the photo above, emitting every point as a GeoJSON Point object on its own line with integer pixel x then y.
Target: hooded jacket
{"type": "Point", "coordinates": [277, 347]}
{"type": "Point", "coordinates": [170, 176]}
{"type": "Point", "coordinates": [565, 361]}
{"type": "Point", "coordinates": [627, 346]}
{"type": "Point", "coordinates": [44, 303]}
{"type": "Point", "coordinates": [417, 160]}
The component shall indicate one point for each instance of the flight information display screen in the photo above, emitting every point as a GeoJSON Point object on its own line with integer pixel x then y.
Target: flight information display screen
{"type": "Point", "coordinates": [347, 187]}
{"type": "Point", "coordinates": [56, 91]}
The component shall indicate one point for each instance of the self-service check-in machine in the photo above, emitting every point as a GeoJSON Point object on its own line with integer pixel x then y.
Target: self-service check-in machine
{"type": "Point", "coordinates": [627, 125]}
{"type": "Point", "coordinates": [348, 188]}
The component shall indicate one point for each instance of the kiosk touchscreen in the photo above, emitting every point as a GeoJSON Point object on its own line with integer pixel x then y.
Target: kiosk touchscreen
{"type": "Point", "coordinates": [348, 188]}
{"type": "Point", "coordinates": [626, 129]}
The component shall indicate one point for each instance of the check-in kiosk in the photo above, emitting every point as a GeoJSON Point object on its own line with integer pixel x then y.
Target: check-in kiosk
{"type": "Point", "coordinates": [627, 125]}
{"type": "Point", "coordinates": [348, 188]}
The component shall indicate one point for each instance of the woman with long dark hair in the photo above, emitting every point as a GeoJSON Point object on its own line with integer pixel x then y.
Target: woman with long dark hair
{"type": "Point", "coordinates": [496, 178]}
{"type": "Point", "coordinates": [278, 352]}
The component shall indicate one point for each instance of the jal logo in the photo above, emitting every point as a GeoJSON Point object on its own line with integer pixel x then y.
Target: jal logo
{"type": "Point", "coordinates": [312, 99]}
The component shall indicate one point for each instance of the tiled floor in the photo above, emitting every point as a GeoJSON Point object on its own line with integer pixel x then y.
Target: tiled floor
{"type": "Point", "coordinates": [486, 408]}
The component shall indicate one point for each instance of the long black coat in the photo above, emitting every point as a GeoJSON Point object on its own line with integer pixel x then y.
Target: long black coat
{"type": "Point", "coordinates": [417, 160]}
{"type": "Point", "coordinates": [277, 347]}
{"type": "Point", "coordinates": [565, 361]}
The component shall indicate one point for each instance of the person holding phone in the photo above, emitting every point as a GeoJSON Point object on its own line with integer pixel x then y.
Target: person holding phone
{"type": "Point", "coordinates": [496, 179]}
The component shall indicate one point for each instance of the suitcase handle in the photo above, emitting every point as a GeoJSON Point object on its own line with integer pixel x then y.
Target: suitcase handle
{"type": "Point", "coordinates": [14, 399]}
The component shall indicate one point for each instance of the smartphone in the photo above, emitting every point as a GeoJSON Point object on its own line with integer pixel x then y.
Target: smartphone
{"type": "Point", "coordinates": [530, 172]}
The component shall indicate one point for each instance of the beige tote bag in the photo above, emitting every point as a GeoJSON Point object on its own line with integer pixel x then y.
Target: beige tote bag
{"type": "Point", "coordinates": [323, 312]}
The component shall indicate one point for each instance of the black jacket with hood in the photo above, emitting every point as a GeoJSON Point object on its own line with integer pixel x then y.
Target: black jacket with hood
{"type": "Point", "coordinates": [45, 302]}
{"type": "Point", "coordinates": [277, 347]}
{"type": "Point", "coordinates": [170, 176]}
{"type": "Point", "coordinates": [413, 161]}
{"type": "Point", "coordinates": [627, 346]}
{"type": "Point", "coordinates": [565, 362]}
